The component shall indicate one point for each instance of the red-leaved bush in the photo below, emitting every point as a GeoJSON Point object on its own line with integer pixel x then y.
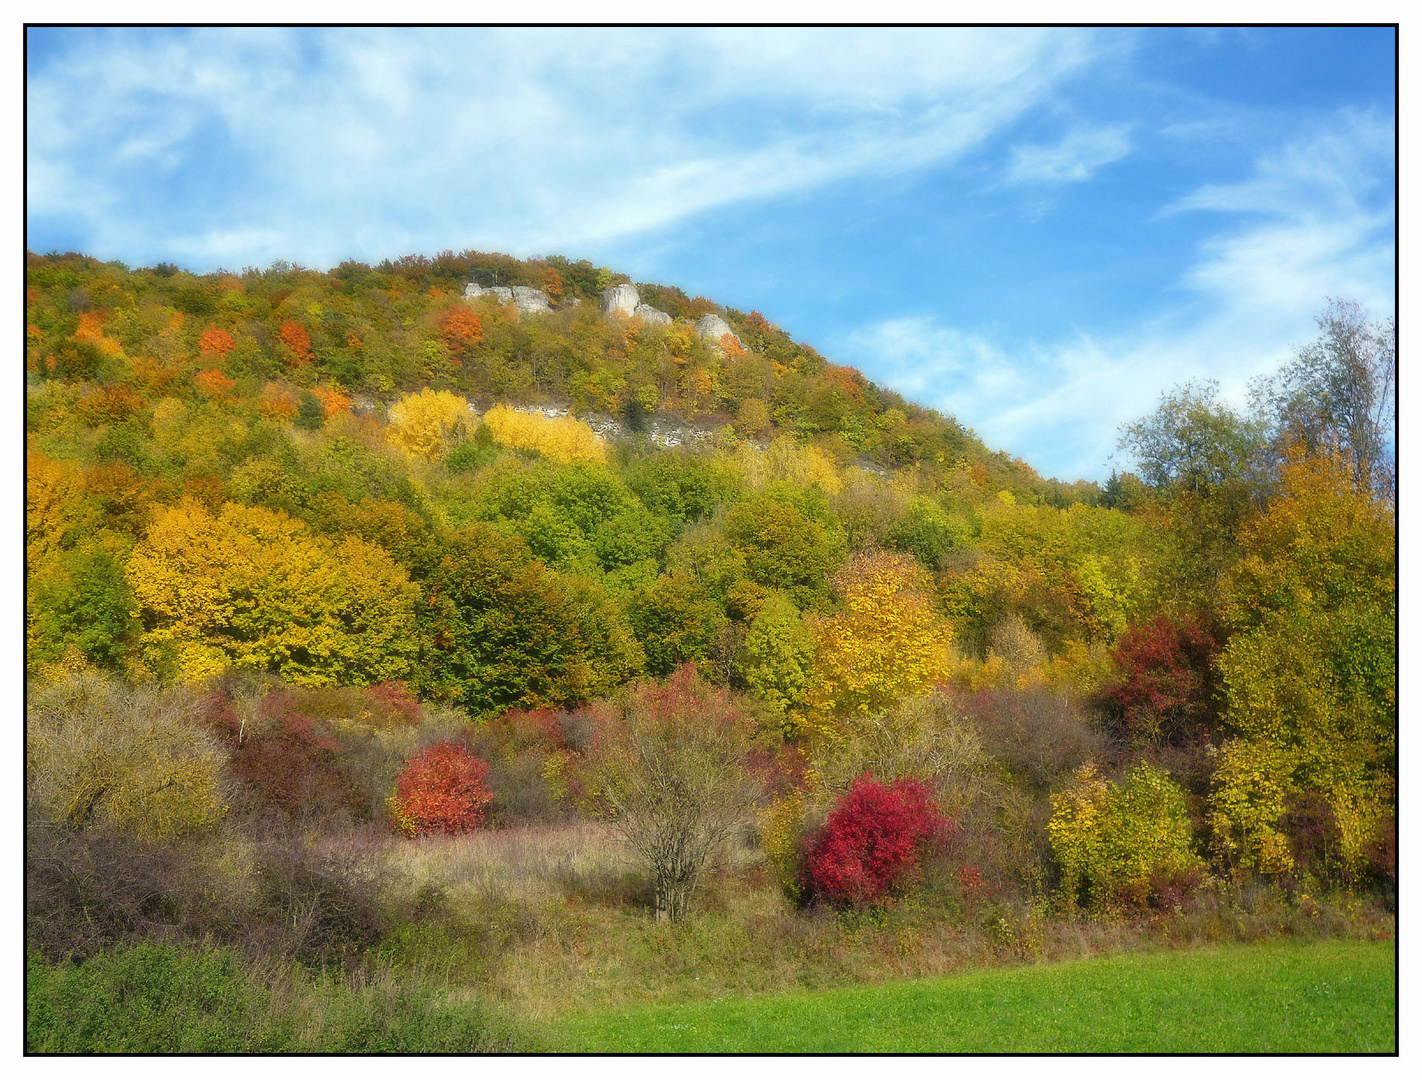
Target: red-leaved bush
{"type": "Point", "coordinates": [284, 760]}
{"type": "Point", "coordinates": [442, 789]}
{"type": "Point", "coordinates": [1166, 681]}
{"type": "Point", "coordinates": [872, 841]}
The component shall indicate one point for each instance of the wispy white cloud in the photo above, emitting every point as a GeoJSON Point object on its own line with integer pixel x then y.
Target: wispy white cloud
{"type": "Point", "coordinates": [1312, 220]}
{"type": "Point", "coordinates": [1077, 156]}
{"type": "Point", "coordinates": [513, 138]}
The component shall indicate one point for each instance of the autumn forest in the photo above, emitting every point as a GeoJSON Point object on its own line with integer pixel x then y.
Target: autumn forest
{"type": "Point", "coordinates": [405, 663]}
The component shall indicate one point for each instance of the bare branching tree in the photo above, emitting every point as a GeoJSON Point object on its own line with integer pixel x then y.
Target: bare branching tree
{"type": "Point", "coordinates": [1339, 392]}
{"type": "Point", "coordinates": [670, 762]}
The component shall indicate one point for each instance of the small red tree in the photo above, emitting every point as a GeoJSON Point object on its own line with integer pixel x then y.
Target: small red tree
{"type": "Point", "coordinates": [872, 841]}
{"type": "Point", "coordinates": [441, 790]}
{"type": "Point", "coordinates": [1166, 679]}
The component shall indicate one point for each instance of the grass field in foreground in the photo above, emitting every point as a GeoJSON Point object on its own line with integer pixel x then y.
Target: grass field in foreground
{"type": "Point", "coordinates": [1330, 997]}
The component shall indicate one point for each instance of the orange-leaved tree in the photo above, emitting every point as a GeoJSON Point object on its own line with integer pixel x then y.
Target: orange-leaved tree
{"type": "Point", "coordinates": [294, 336]}
{"type": "Point", "coordinates": [216, 340]}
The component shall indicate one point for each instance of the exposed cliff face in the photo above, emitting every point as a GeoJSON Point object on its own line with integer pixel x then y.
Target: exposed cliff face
{"type": "Point", "coordinates": [714, 328]}
{"type": "Point", "coordinates": [620, 300]}
{"type": "Point", "coordinates": [649, 314]}
{"type": "Point", "coordinates": [664, 431]}
{"type": "Point", "coordinates": [502, 293]}
{"type": "Point", "coordinates": [528, 300]}
{"type": "Point", "coordinates": [531, 301]}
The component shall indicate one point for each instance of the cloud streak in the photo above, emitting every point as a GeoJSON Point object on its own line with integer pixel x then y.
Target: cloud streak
{"type": "Point", "coordinates": [1312, 220]}
{"type": "Point", "coordinates": [515, 138]}
{"type": "Point", "coordinates": [1076, 157]}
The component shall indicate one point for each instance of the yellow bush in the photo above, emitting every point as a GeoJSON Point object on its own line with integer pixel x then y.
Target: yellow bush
{"type": "Point", "coordinates": [886, 643]}
{"type": "Point", "coordinates": [429, 423]}
{"type": "Point", "coordinates": [99, 754]}
{"type": "Point", "coordinates": [564, 439]}
{"type": "Point", "coordinates": [781, 829]}
{"type": "Point", "coordinates": [1114, 838]}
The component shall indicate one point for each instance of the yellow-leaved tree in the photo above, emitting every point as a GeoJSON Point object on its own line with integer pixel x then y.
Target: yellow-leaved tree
{"type": "Point", "coordinates": [563, 439]}
{"type": "Point", "coordinates": [252, 588]}
{"type": "Point", "coordinates": [1310, 671]}
{"type": "Point", "coordinates": [429, 423]}
{"type": "Point", "coordinates": [887, 642]}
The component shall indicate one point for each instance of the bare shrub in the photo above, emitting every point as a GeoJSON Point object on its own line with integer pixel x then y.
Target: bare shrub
{"type": "Point", "coordinates": [88, 890]}
{"type": "Point", "coordinates": [318, 904]}
{"type": "Point", "coordinates": [926, 736]}
{"type": "Point", "coordinates": [670, 765]}
{"type": "Point", "coordinates": [1039, 734]}
{"type": "Point", "coordinates": [99, 754]}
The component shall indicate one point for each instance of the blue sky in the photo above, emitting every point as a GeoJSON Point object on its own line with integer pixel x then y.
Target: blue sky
{"type": "Point", "coordinates": [1036, 231]}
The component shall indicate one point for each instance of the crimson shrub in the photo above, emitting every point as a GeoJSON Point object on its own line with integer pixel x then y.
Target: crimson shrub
{"type": "Point", "coordinates": [442, 789]}
{"type": "Point", "coordinates": [872, 841]}
{"type": "Point", "coordinates": [1166, 681]}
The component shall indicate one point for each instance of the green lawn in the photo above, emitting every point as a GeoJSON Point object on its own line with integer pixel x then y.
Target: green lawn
{"type": "Point", "coordinates": [1335, 996]}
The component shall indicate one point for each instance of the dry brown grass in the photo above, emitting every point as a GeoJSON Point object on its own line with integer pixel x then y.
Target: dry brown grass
{"type": "Point", "coordinates": [532, 864]}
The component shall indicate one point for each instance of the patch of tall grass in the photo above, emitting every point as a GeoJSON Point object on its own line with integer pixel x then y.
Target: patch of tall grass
{"type": "Point", "coordinates": [169, 999]}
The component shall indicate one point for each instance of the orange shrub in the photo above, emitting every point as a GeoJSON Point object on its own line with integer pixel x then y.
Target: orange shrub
{"type": "Point", "coordinates": [460, 328]}
{"type": "Point", "coordinates": [216, 340]}
{"type": "Point", "coordinates": [294, 336]}
{"type": "Point", "coordinates": [212, 383]}
{"type": "Point", "coordinates": [333, 402]}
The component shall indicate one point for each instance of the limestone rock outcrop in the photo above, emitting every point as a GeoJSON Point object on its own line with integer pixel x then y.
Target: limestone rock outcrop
{"type": "Point", "coordinates": [620, 299]}
{"type": "Point", "coordinates": [502, 293]}
{"type": "Point", "coordinates": [714, 327]}
{"type": "Point", "coordinates": [528, 300]}
{"type": "Point", "coordinates": [649, 314]}
{"type": "Point", "coordinates": [531, 301]}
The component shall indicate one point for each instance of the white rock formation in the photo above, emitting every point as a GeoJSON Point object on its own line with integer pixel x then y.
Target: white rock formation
{"type": "Point", "coordinates": [649, 314]}
{"type": "Point", "coordinates": [714, 327]}
{"type": "Point", "coordinates": [622, 299]}
{"type": "Point", "coordinates": [502, 293]}
{"type": "Point", "coordinates": [531, 301]}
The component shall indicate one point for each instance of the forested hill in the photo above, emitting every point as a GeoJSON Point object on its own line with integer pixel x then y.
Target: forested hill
{"type": "Point", "coordinates": [384, 483]}
{"type": "Point", "coordinates": [373, 333]}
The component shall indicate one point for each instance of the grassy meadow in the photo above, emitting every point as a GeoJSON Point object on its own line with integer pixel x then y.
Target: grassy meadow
{"type": "Point", "coordinates": [1278, 998]}
{"type": "Point", "coordinates": [540, 939]}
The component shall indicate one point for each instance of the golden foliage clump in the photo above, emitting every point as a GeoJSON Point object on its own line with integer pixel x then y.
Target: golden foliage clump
{"type": "Point", "coordinates": [252, 588]}
{"type": "Point", "coordinates": [1115, 840]}
{"type": "Point", "coordinates": [786, 459]}
{"type": "Point", "coordinates": [278, 402]}
{"type": "Point", "coordinates": [428, 424]}
{"type": "Point", "coordinates": [886, 643]}
{"type": "Point", "coordinates": [1311, 669]}
{"type": "Point", "coordinates": [91, 329]}
{"type": "Point", "coordinates": [98, 754]}
{"type": "Point", "coordinates": [563, 439]}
